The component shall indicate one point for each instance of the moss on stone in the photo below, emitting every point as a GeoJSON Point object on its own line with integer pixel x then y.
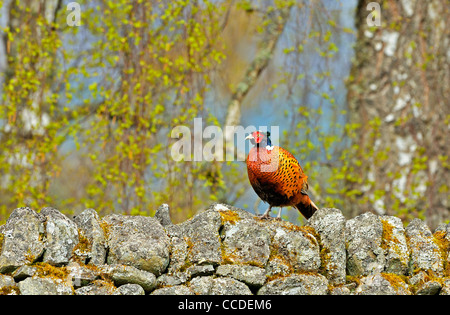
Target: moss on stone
{"type": "Point", "coordinates": [326, 268]}
{"type": "Point", "coordinates": [187, 262]}
{"type": "Point", "coordinates": [310, 233]}
{"type": "Point", "coordinates": [83, 246]}
{"type": "Point", "coordinates": [276, 254]}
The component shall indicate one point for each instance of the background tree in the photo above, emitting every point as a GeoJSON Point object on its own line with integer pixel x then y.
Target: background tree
{"type": "Point", "coordinates": [29, 138]}
{"type": "Point", "coordinates": [398, 98]}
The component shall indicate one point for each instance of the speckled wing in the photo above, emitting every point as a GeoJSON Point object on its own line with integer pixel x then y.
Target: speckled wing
{"type": "Point", "coordinates": [290, 175]}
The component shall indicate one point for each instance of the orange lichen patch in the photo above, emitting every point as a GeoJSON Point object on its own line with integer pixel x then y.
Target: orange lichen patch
{"type": "Point", "coordinates": [9, 290]}
{"type": "Point", "coordinates": [288, 226]}
{"type": "Point", "coordinates": [353, 279]}
{"type": "Point", "coordinates": [281, 260]}
{"type": "Point", "coordinates": [229, 257]}
{"type": "Point", "coordinates": [396, 281]}
{"type": "Point", "coordinates": [387, 236]}
{"type": "Point", "coordinates": [441, 240]}
{"type": "Point", "coordinates": [47, 270]}
{"type": "Point", "coordinates": [187, 262]}
{"type": "Point", "coordinates": [1, 241]}
{"type": "Point", "coordinates": [106, 228]}
{"type": "Point", "coordinates": [310, 233]}
{"type": "Point", "coordinates": [326, 268]}
{"type": "Point", "coordinates": [84, 246]}
{"type": "Point", "coordinates": [232, 256]}
{"type": "Point", "coordinates": [388, 239]}
{"type": "Point", "coordinates": [229, 216]}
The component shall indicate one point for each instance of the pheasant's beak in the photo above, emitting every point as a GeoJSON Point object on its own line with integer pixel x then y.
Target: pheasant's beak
{"type": "Point", "coordinates": [249, 137]}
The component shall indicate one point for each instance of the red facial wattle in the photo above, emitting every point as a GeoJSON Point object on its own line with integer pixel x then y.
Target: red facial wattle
{"type": "Point", "coordinates": [257, 136]}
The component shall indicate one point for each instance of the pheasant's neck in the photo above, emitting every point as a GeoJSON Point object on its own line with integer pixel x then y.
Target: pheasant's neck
{"type": "Point", "coordinates": [261, 154]}
{"type": "Point", "coordinates": [264, 143]}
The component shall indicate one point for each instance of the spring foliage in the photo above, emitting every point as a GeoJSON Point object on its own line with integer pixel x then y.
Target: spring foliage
{"type": "Point", "coordinates": [86, 112]}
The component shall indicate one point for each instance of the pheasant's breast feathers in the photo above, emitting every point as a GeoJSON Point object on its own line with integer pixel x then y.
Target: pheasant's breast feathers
{"type": "Point", "coordinates": [276, 169]}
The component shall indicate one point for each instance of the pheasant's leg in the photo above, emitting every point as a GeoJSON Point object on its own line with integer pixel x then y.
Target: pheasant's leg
{"type": "Point", "coordinates": [279, 213]}
{"type": "Point", "coordinates": [267, 213]}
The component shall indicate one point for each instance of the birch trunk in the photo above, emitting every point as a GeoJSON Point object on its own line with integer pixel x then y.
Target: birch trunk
{"type": "Point", "coordinates": [399, 94]}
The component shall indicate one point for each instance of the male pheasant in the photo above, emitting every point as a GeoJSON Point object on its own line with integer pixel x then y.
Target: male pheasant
{"type": "Point", "coordinates": [277, 177]}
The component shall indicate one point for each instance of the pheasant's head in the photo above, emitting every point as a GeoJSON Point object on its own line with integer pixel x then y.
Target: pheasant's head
{"type": "Point", "coordinates": [260, 139]}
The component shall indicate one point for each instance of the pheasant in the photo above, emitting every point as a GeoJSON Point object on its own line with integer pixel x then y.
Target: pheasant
{"type": "Point", "coordinates": [277, 177]}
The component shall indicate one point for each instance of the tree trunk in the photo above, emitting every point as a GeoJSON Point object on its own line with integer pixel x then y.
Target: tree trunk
{"type": "Point", "coordinates": [4, 22]}
{"type": "Point", "coordinates": [399, 92]}
{"type": "Point", "coordinates": [26, 69]}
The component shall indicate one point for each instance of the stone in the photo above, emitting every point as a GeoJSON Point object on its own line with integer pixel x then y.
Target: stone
{"type": "Point", "coordinates": [174, 290]}
{"type": "Point", "coordinates": [340, 290]}
{"type": "Point", "coordinates": [445, 290]}
{"type": "Point", "coordinates": [21, 240]}
{"type": "Point", "coordinates": [396, 250]}
{"type": "Point", "coordinates": [296, 246]}
{"type": "Point", "coordinates": [250, 275]}
{"type": "Point", "coordinates": [278, 266]}
{"type": "Point", "coordinates": [8, 286]}
{"type": "Point", "coordinates": [196, 271]}
{"type": "Point", "coordinates": [229, 213]}
{"type": "Point", "coordinates": [6, 281]}
{"type": "Point", "coordinates": [121, 274]}
{"type": "Point", "coordinates": [179, 249]}
{"type": "Point", "coordinates": [365, 255]}
{"type": "Point", "coordinates": [423, 284]}
{"type": "Point", "coordinates": [329, 223]}
{"type": "Point", "coordinates": [129, 289]}
{"type": "Point", "coordinates": [82, 275]}
{"type": "Point", "coordinates": [24, 272]}
{"type": "Point", "coordinates": [98, 287]}
{"type": "Point", "coordinates": [162, 214]}
{"type": "Point", "coordinates": [247, 242]}
{"type": "Point", "coordinates": [173, 279]}
{"type": "Point", "coordinates": [92, 246]}
{"type": "Point", "coordinates": [229, 286]}
{"type": "Point", "coordinates": [202, 285]}
{"type": "Point", "coordinates": [218, 286]}
{"type": "Point", "coordinates": [201, 234]}
{"type": "Point", "coordinates": [181, 277]}
{"type": "Point", "coordinates": [137, 241]}
{"type": "Point", "coordinates": [44, 286]}
{"type": "Point", "coordinates": [297, 284]}
{"type": "Point", "coordinates": [222, 250]}
{"type": "Point", "coordinates": [429, 288]}
{"type": "Point", "coordinates": [425, 253]}
{"type": "Point", "coordinates": [61, 237]}
{"type": "Point", "coordinates": [382, 284]}
{"type": "Point", "coordinates": [442, 239]}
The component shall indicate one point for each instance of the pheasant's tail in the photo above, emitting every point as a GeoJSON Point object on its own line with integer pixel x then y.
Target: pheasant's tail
{"type": "Point", "coordinates": [307, 207]}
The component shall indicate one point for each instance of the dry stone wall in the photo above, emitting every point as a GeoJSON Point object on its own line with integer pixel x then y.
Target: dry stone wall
{"type": "Point", "coordinates": [222, 250]}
